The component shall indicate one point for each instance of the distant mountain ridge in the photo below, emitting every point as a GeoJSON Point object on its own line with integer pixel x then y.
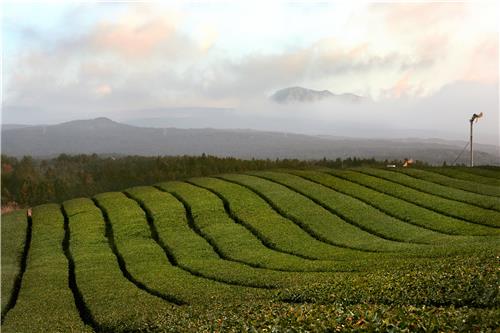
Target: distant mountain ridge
{"type": "Point", "coordinates": [93, 124]}
{"type": "Point", "coordinates": [105, 136]}
{"type": "Point", "coordinates": [304, 95]}
{"type": "Point", "coordinates": [13, 126]}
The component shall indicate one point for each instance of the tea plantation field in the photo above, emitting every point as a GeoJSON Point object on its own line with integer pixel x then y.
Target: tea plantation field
{"type": "Point", "coordinates": [323, 250]}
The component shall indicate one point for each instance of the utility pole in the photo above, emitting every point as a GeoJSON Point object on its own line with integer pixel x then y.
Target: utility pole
{"type": "Point", "coordinates": [470, 144]}
{"type": "Point", "coordinates": [476, 118]}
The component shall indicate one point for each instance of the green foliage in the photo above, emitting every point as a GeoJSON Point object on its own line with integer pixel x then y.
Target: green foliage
{"type": "Point", "coordinates": [114, 303]}
{"type": "Point", "coordinates": [427, 182]}
{"type": "Point", "coordinates": [468, 213]}
{"type": "Point", "coordinates": [489, 175]}
{"type": "Point", "coordinates": [233, 240]}
{"type": "Point", "coordinates": [356, 224]}
{"type": "Point", "coordinates": [268, 225]}
{"type": "Point", "coordinates": [488, 171]}
{"type": "Point", "coordinates": [361, 214]}
{"type": "Point", "coordinates": [14, 228]}
{"type": "Point", "coordinates": [163, 270]}
{"type": "Point", "coordinates": [29, 181]}
{"type": "Point", "coordinates": [45, 303]}
{"type": "Point", "coordinates": [393, 206]}
{"type": "Point", "coordinates": [311, 317]}
{"type": "Point", "coordinates": [456, 178]}
{"type": "Point", "coordinates": [193, 252]}
{"type": "Point", "coordinates": [472, 281]}
{"type": "Point", "coordinates": [251, 253]}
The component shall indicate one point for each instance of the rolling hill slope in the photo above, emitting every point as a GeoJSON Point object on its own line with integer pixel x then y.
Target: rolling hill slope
{"type": "Point", "coordinates": [315, 250]}
{"type": "Point", "coordinates": [104, 136]}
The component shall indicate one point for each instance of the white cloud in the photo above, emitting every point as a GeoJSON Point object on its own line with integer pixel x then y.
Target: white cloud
{"type": "Point", "coordinates": [103, 90]}
{"type": "Point", "coordinates": [148, 56]}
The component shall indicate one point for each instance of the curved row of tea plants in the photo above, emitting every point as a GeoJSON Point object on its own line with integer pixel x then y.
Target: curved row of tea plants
{"type": "Point", "coordinates": [490, 187]}
{"type": "Point", "coordinates": [296, 197]}
{"type": "Point", "coordinates": [16, 235]}
{"type": "Point", "coordinates": [324, 250]}
{"type": "Point", "coordinates": [45, 302]}
{"type": "Point", "coordinates": [397, 208]}
{"type": "Point", "coordinates": [232, 239]}
{"type": "Point", "coordinates": [470, 281]}
{"type": "Point", "coordinates": [459, 210]}
{"type": "Point", "coordinates": [153, 249]}
{"type": "Point", "coordinates": [462, 174]}
{"type": "Point", "coordinates": [427, 182]}
{"type": "Point", "coordinates": [358, 211]}
{"type": "Point", "coordinates": [256, 214]}
{"type": "Point", "coordinates": [111, 299]}
{"type": "Point", "coordinates": [180, 233]}
{"type": "Point", "coordinates": [492, 172]}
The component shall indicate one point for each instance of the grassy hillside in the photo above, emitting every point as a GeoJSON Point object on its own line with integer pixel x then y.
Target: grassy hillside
{"type": "Point", "coordinates": [316, 250]}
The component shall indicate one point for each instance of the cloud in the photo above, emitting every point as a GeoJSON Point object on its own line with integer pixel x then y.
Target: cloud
{"type": "Point", "coordinates": [409, 18]}
{"type": "Point", "coordinates": [139, 32]}
{"type": "Point", "coordinates": [402, 87]}
{"type": "Point", "coordinates": [483, 61]}
{"type": "Point", "coordinates": [115, 59]}
{"type": "Point", "coordinates": [208, 35]}
{"type": "Point", "coordinates": [460, 38]}
{"type": "Point", "coordinates": [103, 89]}
{"type": "Point", "coordinates": [146, 56]}
{"type": "Point", "coordinates": [261, 74]}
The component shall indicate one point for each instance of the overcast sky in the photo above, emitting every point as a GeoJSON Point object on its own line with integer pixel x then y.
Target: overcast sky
{"type": "Point", "coordinates": [425, 66]}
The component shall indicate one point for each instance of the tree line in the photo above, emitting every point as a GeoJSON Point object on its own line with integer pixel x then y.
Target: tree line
{"type": "Point", "coordinates": [28, 181]}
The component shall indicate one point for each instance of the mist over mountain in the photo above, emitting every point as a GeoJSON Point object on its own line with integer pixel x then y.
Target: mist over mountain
{"type": "Point", "coordinates": [104, 136]}
{"type": "Point", "coordinates": [13, 126]}
{"type": "Point", "coordinates": [304, 95]}
{"type": "Point", "coordinates": [426, 117]}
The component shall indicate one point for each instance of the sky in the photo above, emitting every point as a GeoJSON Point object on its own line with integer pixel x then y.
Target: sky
{"type": "Point", "coordinates": [424, 67]}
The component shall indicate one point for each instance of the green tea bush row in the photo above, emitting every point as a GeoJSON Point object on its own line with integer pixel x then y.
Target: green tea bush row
{"type": "Point", "coordinates": [466, 185]}
{"type": "Point", "coordinates": [400, 209]}
{"type": "Point", "coordinates": [489, 172]}
{"type": "Point", "coordinates": [278, 232]}
{"type": "Point", "coordinates": [233, 240]}
{"type": "Point", "coordinates": [278, 317]}
{"type": "Point", "coordinates": [361, 213]}
{"type": "Point", "coordinates": [189, 247]}
{"type": "Point", "coordinates": [472, 281]}
{"type": "Point", "coordinates": [115, 304]}
{"type": "Point", "coordinates": [459, 173]}
{"type": "Point", "coordinates": [14, 237]}
{"type": "Point", "coordinates": [438, 185]}
{"type": "Point", "coordinates": [459, 210]}
{"type": "Point", "coordinates": [322, 211]}
{"type": "Point", "coordinates": [45, 302]}
{"type": "Point", "coordinates": [174, 258]}
{"type": "Point", "coordinates": [152, 261]}
{"type": "Point", "coordinates": [476, 180]}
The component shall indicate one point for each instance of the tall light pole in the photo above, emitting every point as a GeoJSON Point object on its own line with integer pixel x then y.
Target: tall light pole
{"type": "Point", "coordinates": [474, 117]}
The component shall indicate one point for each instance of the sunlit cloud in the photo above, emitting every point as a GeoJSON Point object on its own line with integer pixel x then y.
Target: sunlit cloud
{"type": "Point", "coordinates": [157, 55]}
{"type": "Point", "coordinates": [136, 33]}
{"type": "Point", "coordinates": [103, 89]}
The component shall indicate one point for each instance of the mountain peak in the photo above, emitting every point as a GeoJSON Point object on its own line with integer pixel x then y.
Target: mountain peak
{"type": "Point", "coordinates": [300, 94]}
{"type": "Point", "coordinates": [101, 122]}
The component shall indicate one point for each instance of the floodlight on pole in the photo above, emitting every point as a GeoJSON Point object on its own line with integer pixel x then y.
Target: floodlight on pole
{"type": "Point", "coordinates": [476, 118]}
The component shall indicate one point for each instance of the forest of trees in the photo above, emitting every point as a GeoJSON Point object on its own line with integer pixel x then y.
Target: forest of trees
{"type": "Point", "coordinates": [28, 181]}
